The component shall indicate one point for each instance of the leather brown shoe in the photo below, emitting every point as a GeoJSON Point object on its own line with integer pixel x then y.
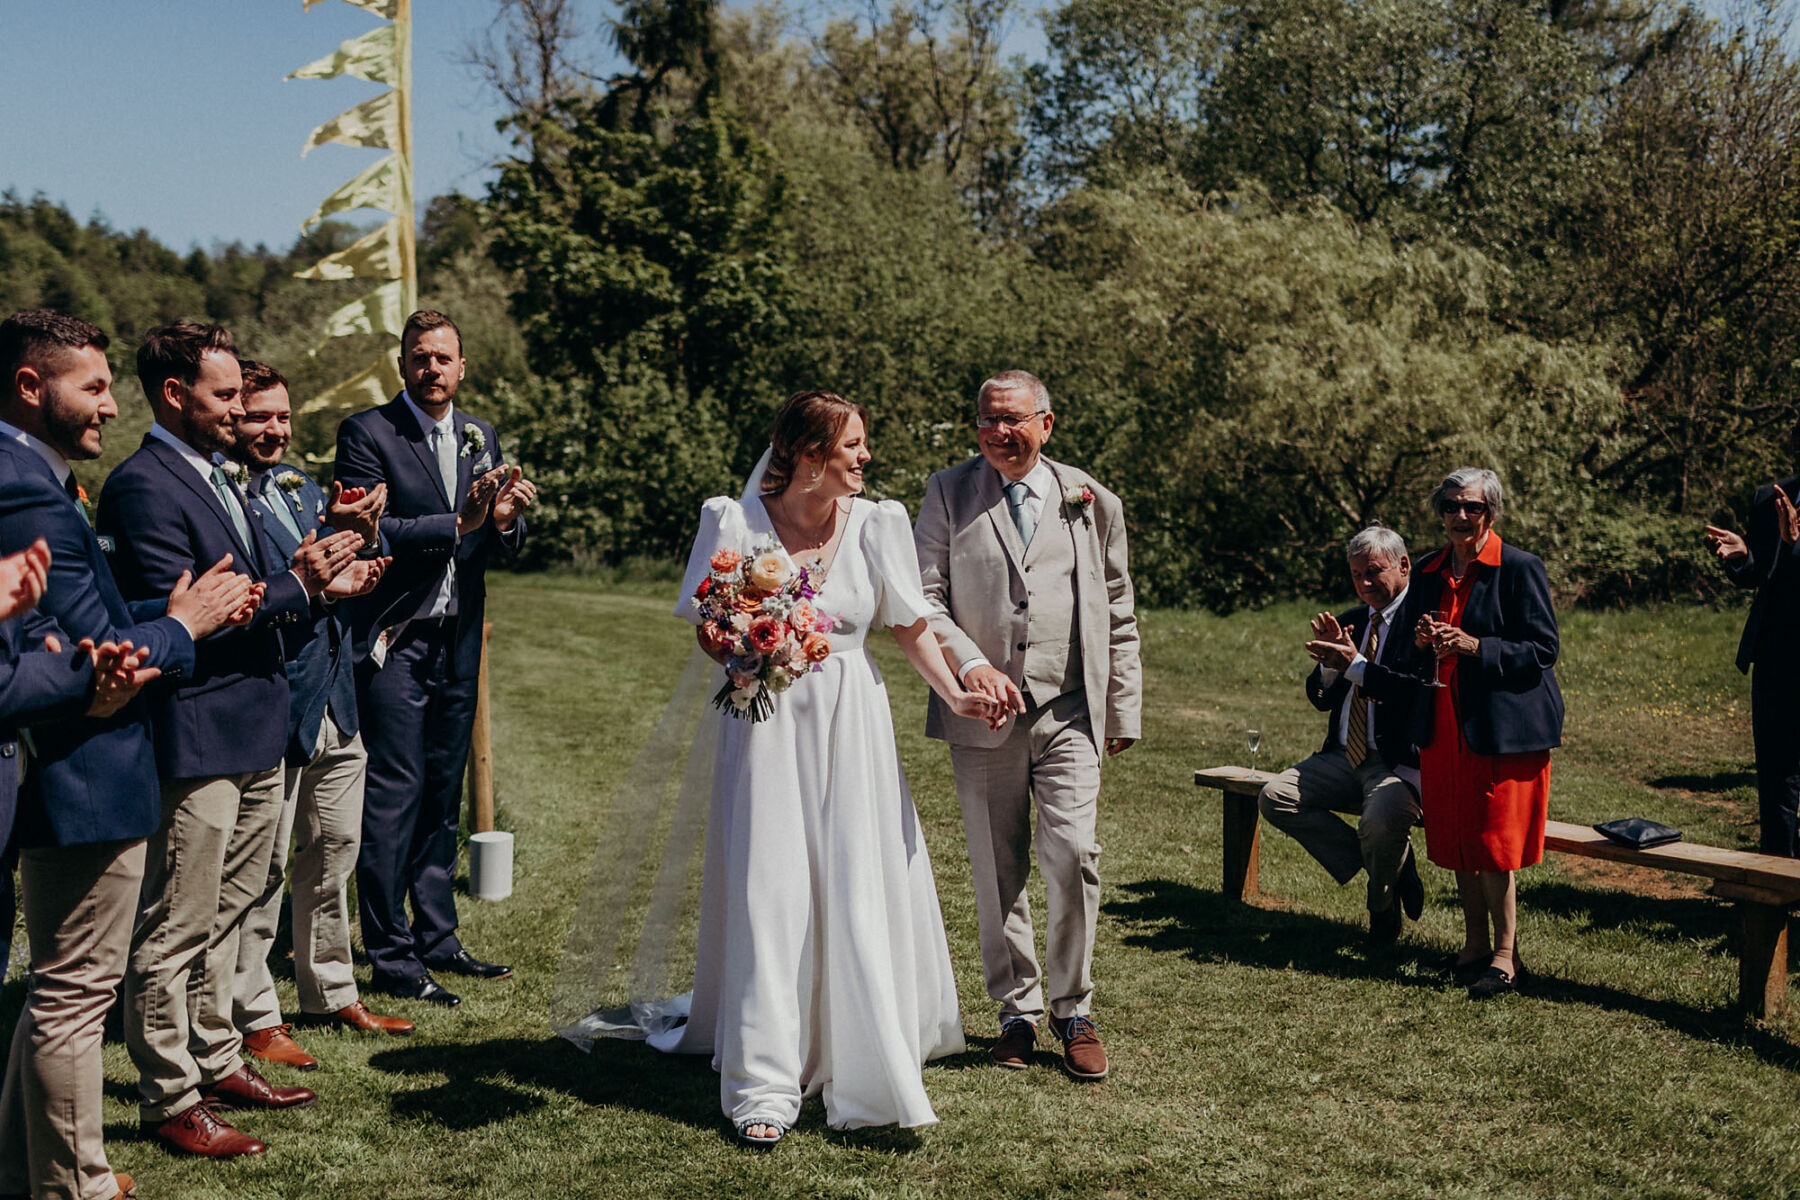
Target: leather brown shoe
{"type": "Point", "coordinates": [1083, 1056]}
{"type": "Point", "coordinates": [195, 1130]}
{"type": "Point", "coordinates": [356, 1016]}
{"type": "Point", "coordinates": [126, 1184]}
{"type": "Point", "coordinates": [1017, 1039]}
{"type": "Point", "coordinates": [244, 1088]}
{"type": "Point", "coordinates": [275, 1044]}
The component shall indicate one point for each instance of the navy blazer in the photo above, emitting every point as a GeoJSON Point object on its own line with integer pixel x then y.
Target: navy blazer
{"type": "Point", "coordinates": [35, 686]}
{"type": "Point", "coordinates": [318, 663]}
{"type": "Point", "coordinates": [231, 716]}
{"type": "Point", "coordinates": [91, 780]}
{"type": "Point", "coordinates": [1391, 696]}
{"type": "Point", "coordinates": [387, 445]}
{"type": "Point", "coordinates": [1510, 703]}
{"type": "Point", "coordinates": [1772, 569]}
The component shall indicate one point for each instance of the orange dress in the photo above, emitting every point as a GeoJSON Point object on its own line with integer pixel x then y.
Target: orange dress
{"type": "Point", "coordinates": [1483, 812]}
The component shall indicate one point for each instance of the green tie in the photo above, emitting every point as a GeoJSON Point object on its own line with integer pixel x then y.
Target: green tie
{"type": "Point", "coordinates": [234, 507]}
{"type": "Point", "coordinates": [272, 496]}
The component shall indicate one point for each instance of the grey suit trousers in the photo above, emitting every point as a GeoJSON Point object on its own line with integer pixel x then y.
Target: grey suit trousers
{"type": "Point", "coordinates": [1302, 801]}
{"type": "Point", "coordinates": [1048, 763]}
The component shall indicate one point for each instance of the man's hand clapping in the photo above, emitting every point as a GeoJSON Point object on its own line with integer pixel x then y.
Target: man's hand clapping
{"type": "Point", "coordinates": [515, 496]}
{"type": "Point", "coordinates": [213, 601]}
{"type": "Point", "coordinates": [23, 577]}
{"type": "Point", "coordinates": [357, 509]}
{"type": "Point", "coordinates": [1332, 646]}
{"type": "Point", "coordinates": [119, 672]}
{"type": "Point", "coordinates": [476, 505]}
{"type": "Point", "coordinates": [358, 579]}
{"type": "Point", "coordinates": [319, 560]}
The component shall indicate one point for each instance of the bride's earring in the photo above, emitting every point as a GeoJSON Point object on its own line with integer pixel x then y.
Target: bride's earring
{"type": "Point", "coordinates": [814, 485]}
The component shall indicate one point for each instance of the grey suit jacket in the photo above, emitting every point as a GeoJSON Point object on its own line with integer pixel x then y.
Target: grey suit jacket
{"type": "Point", "coordinates": [972, 565]}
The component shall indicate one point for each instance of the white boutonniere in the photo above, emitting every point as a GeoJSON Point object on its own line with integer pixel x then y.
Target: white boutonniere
{"type": "Point", "coordinates": [237, 472]}
{"type": "Point", "coordinates": [291, 482]}
{"type": "Point", "coordinates": [474, 441]}
{"type": "Point", "coordinates": [1077, 500]}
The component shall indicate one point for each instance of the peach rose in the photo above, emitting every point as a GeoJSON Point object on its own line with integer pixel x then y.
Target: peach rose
{"type": "Point", "coordinates": [726, 561]}
{"type": "Point", "coordinates": [771, 570]}
{"type": "Point", "coordinates": [766, 635]}
{"type": "Point", "coordinates": [817, 647]}
{"type": "Point", "coordinates": [803, 617]}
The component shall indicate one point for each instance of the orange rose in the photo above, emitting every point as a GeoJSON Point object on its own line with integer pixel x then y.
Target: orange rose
{"type": "Point", "coordinates": [766, 635]}
{"type": "Point", "coordinates": [817, 647]}
{"type": "Point", "coordinates": [726, 561]}
{"type": "Point", "coordinates": [748, 601]}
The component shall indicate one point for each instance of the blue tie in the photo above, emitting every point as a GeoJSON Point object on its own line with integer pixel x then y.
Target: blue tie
{"type": "Point", "coordinates": [1015, 499]}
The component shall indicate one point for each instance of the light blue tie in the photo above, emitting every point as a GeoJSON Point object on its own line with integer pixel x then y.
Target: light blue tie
{"type": "Point", "coordinates": [1015, 499]}
{"type": "Point", "coordinates": [271, 492]}
{"type": "Point", "coordinates": [234, 508]}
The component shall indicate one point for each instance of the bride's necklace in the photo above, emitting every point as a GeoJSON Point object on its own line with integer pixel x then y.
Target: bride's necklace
{"type": "Point", "coordinates": [816, 538]}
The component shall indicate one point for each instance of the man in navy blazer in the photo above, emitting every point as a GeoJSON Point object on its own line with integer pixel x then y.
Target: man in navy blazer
{"type": "Point", "coordinates": [451, 503]}
{"type": "Point", "coordinates": [1368, 765]}
{"type": "Point", "coordinates": [91, 797]}
{"type": "Point", "coordinates": [220, 735]}
{"type": "Point", "coordinates": [323, 777]}
{"type": "Point", "coordinates": [1768, 561]}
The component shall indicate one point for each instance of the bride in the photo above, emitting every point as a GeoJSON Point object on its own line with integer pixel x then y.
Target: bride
{"type": "Point", "coordinates": [822, 964]}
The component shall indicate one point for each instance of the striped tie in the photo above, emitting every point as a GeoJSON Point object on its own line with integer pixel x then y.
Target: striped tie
{"type": "Point", "coordinates": [1356, 746]}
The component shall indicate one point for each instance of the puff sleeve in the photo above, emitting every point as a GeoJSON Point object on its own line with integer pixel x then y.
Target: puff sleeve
{"type": "Point", "coordinates": [887, 544]}
{"type": "Point", "coordinates": [721, 524]}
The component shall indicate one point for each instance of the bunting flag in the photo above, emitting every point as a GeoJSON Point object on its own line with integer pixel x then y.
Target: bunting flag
{"type": "Point", "coordinates": [388, 252]}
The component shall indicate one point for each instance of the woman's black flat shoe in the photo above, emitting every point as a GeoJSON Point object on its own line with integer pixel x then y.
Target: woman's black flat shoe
{"type": "Point", "coordinates": [1462, 972]}
{"type": "Point", "coordinates": [1493, 982]}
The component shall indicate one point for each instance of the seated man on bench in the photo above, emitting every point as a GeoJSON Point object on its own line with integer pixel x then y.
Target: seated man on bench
{"type": "Point", "coordinates": [1368, 765]}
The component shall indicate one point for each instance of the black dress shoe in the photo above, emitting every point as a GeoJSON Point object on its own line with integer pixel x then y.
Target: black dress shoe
{"type": "Point", "coordinates": [1384, 927]}
{"type": "Point", "coordinates": [1410, 887]}
{"type": "Point", "coordinates": [1493, 982]}
{"type": "Point", "coordinates": [423, 988]}
{"type": "Point", "coordinates": [463, 963]}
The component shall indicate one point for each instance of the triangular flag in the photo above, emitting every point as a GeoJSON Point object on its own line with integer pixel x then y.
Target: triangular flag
{"type": "Point", "coordinates": [374, 122]}
{"type": "Point", "coordinates": [376, 383]}
{"type": "Point", "coordinates": [381, 311]}
{"type": "Point", "coordinates": [376, 256]}
{"type": "Point", "coordinates": [376, 187]}
{"type": "Point", "coordinates": [385, 9]}
{"type": "Point", "coordinates": [371, 56]}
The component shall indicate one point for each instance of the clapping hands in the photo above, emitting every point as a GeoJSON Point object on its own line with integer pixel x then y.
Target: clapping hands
{"type": "Point", "coordinates": [23, 577]}
{"type": "Point", "coordinates": [357, 509]}
{"type": "Point", "coordinates": [119, 672]}
{"type": "Point", "coordinates": [1333, 646]}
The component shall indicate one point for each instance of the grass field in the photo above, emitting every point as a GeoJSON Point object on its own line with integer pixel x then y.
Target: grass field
{"type": "Point", "coordinates": [1256, 1050]}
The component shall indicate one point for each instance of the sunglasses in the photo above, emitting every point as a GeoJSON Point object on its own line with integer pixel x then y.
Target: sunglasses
{"type": "Point", "coordinates": [1474, 508]}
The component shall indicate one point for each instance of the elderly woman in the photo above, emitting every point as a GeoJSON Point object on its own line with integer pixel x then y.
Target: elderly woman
{"type": "Point", "coordinates": [1484, 631]}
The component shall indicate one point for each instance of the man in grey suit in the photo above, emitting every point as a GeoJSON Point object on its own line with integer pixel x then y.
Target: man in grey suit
{"type": "Point", "coordinates": [1025, 566]}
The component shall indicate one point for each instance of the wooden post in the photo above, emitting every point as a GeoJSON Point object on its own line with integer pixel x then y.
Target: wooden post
{"type": "Point", "coordinates": [1762, 961]}
{"type": "Point", "coordinates": [1242, 846]}
{"type": "Point", "coordinates": [481, 745]}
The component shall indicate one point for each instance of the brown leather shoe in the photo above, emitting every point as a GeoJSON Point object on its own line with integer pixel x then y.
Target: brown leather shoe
{"type": "Point", "coordinates": [275, 1044]}
{"type": "Point", "coordinates": [1083, 1057]}
{"type": "Point", "coordinates": [357, 1017]}
{"type": "Point", "coordinates": [195, 1130]}
{"type": "Point", "coordinates": [1013, 1051]}
{"type": "Point", "coordinates": [244, 1088]}
{"type": "Point", "coordinates": [127, 1186]}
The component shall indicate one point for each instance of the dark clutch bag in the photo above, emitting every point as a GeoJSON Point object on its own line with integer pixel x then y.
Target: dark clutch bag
{"type": "Point", "coordinates": [1638, 833]}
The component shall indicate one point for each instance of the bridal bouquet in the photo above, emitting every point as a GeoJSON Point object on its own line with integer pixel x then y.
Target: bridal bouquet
{"type": "Point", "coordinates": [758, 609]}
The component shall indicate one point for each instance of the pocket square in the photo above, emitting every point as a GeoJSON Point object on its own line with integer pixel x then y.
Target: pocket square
{"type": "Point", "coordinates": [1638, 833]}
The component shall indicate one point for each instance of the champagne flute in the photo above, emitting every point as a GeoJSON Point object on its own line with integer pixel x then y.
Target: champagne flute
{"type": "Point", "coordinates": [1253, 741]}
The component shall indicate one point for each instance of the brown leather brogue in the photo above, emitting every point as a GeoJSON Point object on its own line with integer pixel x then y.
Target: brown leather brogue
{"type": "Point", "coordinates": [356, 1016]}
{"type": "Point", "coordinates": [127, 1186]}
{"type": "Point", "coordinates": [1013, 1051]}
{"type": "Point", "coordinates": [1083, 1056]}
{"type": "Point", "coordinates": [196, 1130]}
{"type": "Point", "coordinates": [244, 1088]}
{"type": "Point", "coordinates": [275, 1044]}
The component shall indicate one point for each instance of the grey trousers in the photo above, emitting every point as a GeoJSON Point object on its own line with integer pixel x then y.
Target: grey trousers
{"type": "Point", "coordinates": [208, 862]}
{"type": "Point", "coordinates": [322, 812]}
{"type": "Point", "coordinates": [1302, 802]}
{"type": "Point", "coordinates": [1048, 763]}
{"type": "Point", "coordinates": [79, 905]}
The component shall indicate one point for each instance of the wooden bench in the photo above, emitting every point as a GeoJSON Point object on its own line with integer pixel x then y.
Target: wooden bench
{"type": "Point", "coordinates": [1765, 889]}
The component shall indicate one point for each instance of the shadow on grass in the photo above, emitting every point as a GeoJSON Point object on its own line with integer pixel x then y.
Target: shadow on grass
{"type": "Point", "coordinates": [1717, 783]}
{"type": "Point", "coordinates": [1696, 919]}
{"type": "Point", "coordinates": [1207, 927]}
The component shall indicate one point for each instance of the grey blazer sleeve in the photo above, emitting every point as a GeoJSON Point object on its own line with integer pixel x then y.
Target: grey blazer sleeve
{"type": "Point", "coordinates": [1125, 676]}
{"type": "Point", "coordinates": [931, 540]}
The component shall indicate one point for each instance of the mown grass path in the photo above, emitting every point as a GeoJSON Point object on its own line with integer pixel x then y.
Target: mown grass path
{"type": "Point", "coordinates": [1256, 1051]}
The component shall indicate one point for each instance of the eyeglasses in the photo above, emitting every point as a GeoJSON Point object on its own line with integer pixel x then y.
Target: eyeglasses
{"type": "Point", "coordinates": [1005, 421]}
{"type": "Point", "coordinates": [1474, 508]}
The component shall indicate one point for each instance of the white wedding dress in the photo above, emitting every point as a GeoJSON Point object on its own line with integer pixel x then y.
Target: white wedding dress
{"type": "Point", "coordinates": [822, 963]}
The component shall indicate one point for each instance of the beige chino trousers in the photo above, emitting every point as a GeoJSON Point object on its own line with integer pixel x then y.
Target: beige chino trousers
{"type": "Point", "coordinates": [79, 906]}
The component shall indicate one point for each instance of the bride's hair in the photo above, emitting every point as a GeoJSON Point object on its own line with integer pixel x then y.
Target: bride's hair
{"type": "Point", "coordinates": [810, 422]}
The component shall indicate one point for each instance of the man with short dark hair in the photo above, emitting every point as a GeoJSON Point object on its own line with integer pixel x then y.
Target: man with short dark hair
{"type": "Point", "coordinates": [325, 758]}
{"type": "Point", "coordinates": [220, 738]}
{"type": "Point", "coordinates": [452, 502]}
{"type": "Point", "coordinates": [90, 799]}
{"type": "Point", "coordinates": [1368, 765]}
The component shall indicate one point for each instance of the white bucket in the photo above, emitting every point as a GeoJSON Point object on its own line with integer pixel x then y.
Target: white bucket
{"type": "Point", "coordinates": [490, 865]}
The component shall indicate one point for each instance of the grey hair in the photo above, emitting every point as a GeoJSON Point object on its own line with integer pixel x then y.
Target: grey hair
{"type": "Point", "coordinates": [1463, 477]}
{"type": "Point", "coordinates": [1009, 381]}
{"type": "Point", "coordinates": [1377, 539]}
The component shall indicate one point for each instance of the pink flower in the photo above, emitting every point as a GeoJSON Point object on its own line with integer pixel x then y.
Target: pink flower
{"type": "Point", "coordinates": [803, 617]}
{"type": "Point", "coordinates": [766, 635]}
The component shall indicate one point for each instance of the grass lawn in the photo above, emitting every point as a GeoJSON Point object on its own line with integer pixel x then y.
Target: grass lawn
{"type": "Point", "coordinates": [1256, 1050]}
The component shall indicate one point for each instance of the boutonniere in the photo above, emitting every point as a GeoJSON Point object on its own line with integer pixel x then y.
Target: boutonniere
{"type": "Point", "coordinates": [474, 441]}
{"type": "Point", "coordinates": [87, 509]}
{"type": "Point", "coordinates": [291, 482]}
{"type": "Point", "coordinates": [1078, 499]}
{"type": "Point", "coordinates": [237, 472]}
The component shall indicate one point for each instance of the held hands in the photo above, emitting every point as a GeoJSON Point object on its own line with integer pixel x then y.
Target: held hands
{"type": "Point", "coordinates": [978, 706]}
{"type": "Point", "coordinates": [213, 601]}
{"type": "Point", "coordinates": [119, 673]}
{"type": "Point", "coordinates": [357, 509]}
{"type": "Point", "coordinates": [319, 560]}
{"type": "Point", "coordinates": [516, 495]}
{"type": "Point", "coordinates": [992, 696]}
{"type": "Point", "coordinates": [1332, 646]}
{"type": "Point", "coordinates": [23, 577]}
{"type": "Point", "coordinates": [358, 579]}
{"type": "Point", "coordinates": [475, 506]}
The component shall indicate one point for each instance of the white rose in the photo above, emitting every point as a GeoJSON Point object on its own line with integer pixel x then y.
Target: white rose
{"type": "Point", "coordinates": [771, 569]}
